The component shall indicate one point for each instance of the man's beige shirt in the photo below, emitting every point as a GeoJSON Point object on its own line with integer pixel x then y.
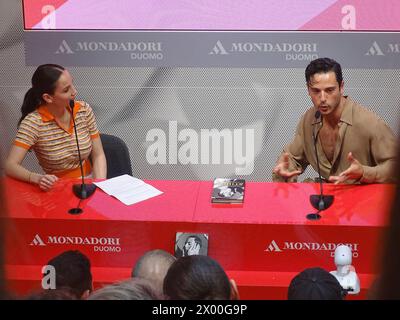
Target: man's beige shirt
{"type": "Point", "coordinates": [361, 132]}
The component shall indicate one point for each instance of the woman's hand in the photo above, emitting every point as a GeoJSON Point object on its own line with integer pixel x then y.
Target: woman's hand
{"type": "Point", "coordinates": [44, 181]}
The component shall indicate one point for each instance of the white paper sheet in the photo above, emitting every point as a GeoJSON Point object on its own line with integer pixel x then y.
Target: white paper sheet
{"type": "Point", "coordinates": [127, 189]}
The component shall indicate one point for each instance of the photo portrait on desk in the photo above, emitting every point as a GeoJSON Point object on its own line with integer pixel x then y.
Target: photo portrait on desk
{"type": "Point", "coordinates": [189, 244]}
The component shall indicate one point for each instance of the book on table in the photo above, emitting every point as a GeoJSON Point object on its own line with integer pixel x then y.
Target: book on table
{"type": "Point", "coordinates": [228, 190]}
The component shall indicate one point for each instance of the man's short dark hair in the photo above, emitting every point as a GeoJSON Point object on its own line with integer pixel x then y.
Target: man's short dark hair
{"type": "Point", "coordinates": [197, 278]}
{"type": "Point", "coordinates": [72, 271]}
{"type": "Point", "coordinates": [315, 284]}
{"type": "Point", "coordinates": [324, 65]}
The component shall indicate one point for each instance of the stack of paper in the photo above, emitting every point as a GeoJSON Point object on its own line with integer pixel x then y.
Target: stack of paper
{"type": "Point", "coordinates": [128, 189]}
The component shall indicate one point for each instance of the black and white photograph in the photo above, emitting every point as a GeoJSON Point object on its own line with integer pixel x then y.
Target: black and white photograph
{"type": "Point", "coordinates": [190, 244]}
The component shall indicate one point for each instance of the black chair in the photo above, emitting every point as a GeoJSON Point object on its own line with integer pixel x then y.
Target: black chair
{"type": "Point", "coordinates": [117, 156]}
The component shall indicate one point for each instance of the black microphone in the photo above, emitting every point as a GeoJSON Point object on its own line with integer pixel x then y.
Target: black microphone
{"type": "Point", "coordinates": [318, 201]}
{"type": "Point", "coordinates": [82, 190]}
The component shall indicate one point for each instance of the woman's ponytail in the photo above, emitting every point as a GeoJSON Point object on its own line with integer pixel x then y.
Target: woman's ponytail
{"type": "Point", "coordinates": [31, 102]}
{"type": "Point", "coordinates": [44, 80]}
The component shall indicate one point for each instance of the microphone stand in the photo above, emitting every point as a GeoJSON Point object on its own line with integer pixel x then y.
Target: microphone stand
{"type": "Point", "coordinates": [82, 191]}
{"type": "Point", "coordinates": [76, 210]}
{"type": "Point", "coordinates": [318, 201]}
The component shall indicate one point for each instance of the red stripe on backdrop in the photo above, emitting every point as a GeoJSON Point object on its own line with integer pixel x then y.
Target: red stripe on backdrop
{"type": "Point", "coordinates": [33, 10]}
{"type": "Point", "coordinates": [362, 15]}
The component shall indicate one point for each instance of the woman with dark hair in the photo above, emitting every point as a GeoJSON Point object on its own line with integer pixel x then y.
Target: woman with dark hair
{"type": "Point", "coordinates": [46, 127]}
{"type": "Point", "coordinates": [198, 278]}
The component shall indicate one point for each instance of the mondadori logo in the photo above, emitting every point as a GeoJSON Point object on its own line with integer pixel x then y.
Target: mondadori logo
{"type": "Point", "coordinates": [218, 49]}
{"type": "Point", "coordinates": [274, 246]}
{"type": "Point", "coordinates": [141, 50]}
{"type": "Point", "coordinates": [374, 50]}
{"type": "Point", "coordinates": [37, 241]}
{"type": "Point", "coordinates": [64, 48]}
{"type": "Point", "coordinates": [290, 51]}
{"type": "Point", "coordinates": [103, 244]}
{"type": "Point", "coordinates": [377, 49]}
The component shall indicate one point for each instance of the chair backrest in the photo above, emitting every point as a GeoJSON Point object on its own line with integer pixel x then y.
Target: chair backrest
{"type": "Point", "coordinates": [117, 156]}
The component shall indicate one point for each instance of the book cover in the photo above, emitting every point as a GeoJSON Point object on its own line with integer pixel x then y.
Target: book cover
{"type": "Point", "coordinates": [189, 244]}
{"type": "Point", "coordinates": [227, 190]}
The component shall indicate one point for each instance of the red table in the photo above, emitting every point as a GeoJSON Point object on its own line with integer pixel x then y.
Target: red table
{"type": "Point", "coordinates": [262, 244]}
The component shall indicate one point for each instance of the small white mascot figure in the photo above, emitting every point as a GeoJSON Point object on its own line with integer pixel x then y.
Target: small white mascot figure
{"type": "Point", "coordinates": [345, 273]}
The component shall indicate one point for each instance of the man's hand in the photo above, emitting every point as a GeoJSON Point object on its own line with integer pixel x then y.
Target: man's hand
{"type": "Point", "coordinates": [282, 168]}
{"type": "Point", "coordinates": [354, 172]}
{"type": "Point", "coordinates": [194, 249]}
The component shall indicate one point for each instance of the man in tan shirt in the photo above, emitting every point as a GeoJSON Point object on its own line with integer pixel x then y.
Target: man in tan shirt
{"type": "Point", "coordinates": [353, 144]}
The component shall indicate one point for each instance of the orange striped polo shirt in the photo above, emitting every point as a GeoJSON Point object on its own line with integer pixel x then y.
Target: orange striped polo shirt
{"type": "Point", "coordinates": [56, 147]}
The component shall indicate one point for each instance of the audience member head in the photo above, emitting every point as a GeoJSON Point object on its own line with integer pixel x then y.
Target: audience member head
{"type": "Point", "coordinates": [153, 266]}
{"type": "Point", "coordinates": [44, 81]}
{"type": "Point", "coordinates": [132, 289]}
{"type": "Point", "coordinates": [73, 271]}
{"type": "Point", "coordinates": [57, 294]}
{"type": "Point", "coordinates": [198, 278]}
{"type": "Point", "coordinates": [324, 65]}
{"type": "Point", "coordinates": [315, 284]}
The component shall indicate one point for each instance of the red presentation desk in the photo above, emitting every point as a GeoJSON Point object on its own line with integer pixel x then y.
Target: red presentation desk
{"type": "Point", "coordinates": [262, 244]}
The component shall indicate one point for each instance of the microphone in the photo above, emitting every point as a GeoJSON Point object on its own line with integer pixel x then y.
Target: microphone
{"type": "Point", "coordinates": [82, 190]}
{"type": "Point", "coordinates": [318, 201]}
